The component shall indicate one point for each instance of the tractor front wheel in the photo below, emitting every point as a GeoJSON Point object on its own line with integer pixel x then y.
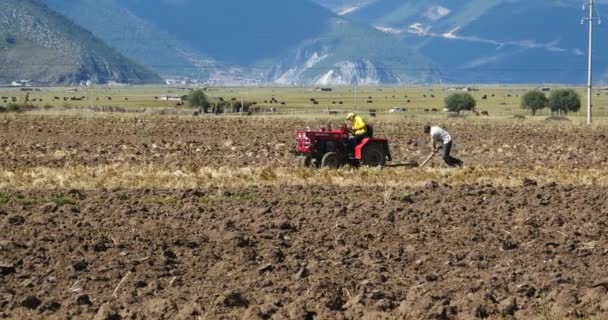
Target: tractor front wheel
{"type": "Point", "coordinates": [373, 155]}
{"type": "Point", "coordinates": [330, 160]}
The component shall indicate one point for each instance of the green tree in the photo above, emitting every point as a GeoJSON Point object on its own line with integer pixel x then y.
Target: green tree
{"type": "Point", "coordinates": [562, 101]}
{"type": "Point", "coordinates": [534, 101]}
{"type": "Point", "coordinates": [197, 99]}
{"type": "Point", "coordinates": [457, 102]}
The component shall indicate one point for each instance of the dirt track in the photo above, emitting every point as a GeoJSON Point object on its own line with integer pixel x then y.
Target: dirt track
{"type": "Point", "coordinates": [57, 142]}
{"type": "Point", "coordinates": [432, 252]}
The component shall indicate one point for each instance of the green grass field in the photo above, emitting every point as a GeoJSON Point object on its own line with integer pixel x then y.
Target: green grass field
{"type": "Point", "coordinates": [500, 101]}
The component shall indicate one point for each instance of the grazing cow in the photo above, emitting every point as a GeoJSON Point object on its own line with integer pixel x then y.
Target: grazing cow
{"type": "Point", "coordinates": [484, 97]}
{"type": "Point", "coordinates": [426, 110]}
{"type": "Point", "coordinates": [485, 113]}
{"type": "Point", "coordinates": [333, 113]}
{"type": "Point", "coordinates": [283, 103]}
{"type": "Point", "coordinates": [316, 102]}
{"type": "Point", "coordinates": [340, 102]}
{"type": "Point", "coordinates": [372, 114]}
{"type": "Point", "coordinates": [434, 110]}
{"type": "Point", "coordinates": [432, 96]}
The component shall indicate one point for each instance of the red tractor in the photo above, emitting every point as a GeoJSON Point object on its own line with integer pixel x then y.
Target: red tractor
{"type": "Point", "coordinates": [330, 148]}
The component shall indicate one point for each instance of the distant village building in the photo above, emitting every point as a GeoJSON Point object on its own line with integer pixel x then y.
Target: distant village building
{"type": "Point", "coordinates": [544, 89]}
{"type": "Point", "coordinates": [22, 83]}
{"type": "Point", "coordinates": [325, 89]}
{"type": "Point", "coordinates": [172, 98]}
{"type": "Point", "coordinates": [465, 89]}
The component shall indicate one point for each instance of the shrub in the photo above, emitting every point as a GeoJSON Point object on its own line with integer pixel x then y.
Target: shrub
{"type": "Point", "coordinates": [13, 107]}
{"type": "Point", "coordinates": [458, 102]}
{"type": "Point", "coordinates": [563, 101]}
{"type": "Point", "coordinates": [197, 99]}
{"type": "Point", "coordinates": [534, 100]}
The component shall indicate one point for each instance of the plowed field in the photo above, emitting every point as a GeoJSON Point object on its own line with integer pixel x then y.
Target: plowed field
{"type": "Point", "coordinates": [355, 244]}
{"type": "Point", "coordinates": [61, 141]}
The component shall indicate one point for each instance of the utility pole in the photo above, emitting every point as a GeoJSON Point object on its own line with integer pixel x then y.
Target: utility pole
{"type": "Point", "coordinates": [590, 56]}
{"type": "Point", "coordinates": [242, 101]}
{"type": "Point", "coordinates": [356, 98]}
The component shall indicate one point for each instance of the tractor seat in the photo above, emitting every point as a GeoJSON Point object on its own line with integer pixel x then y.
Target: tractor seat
{"type": "Point", "coordinates": [370, 130]}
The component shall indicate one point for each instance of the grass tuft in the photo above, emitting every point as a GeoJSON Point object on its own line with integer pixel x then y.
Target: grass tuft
{"type": "Point", "coordinates": [151, 176]}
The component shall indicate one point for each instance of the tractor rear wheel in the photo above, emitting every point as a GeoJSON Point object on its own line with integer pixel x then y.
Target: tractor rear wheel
{"type": "Point", "coordinates": [373, 155]}
{"type": "Point", "coordinates": [330, 160]}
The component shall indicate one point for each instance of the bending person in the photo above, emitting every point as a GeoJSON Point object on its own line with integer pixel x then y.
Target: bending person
{"type": "Point", "coordinates": [441, 139]}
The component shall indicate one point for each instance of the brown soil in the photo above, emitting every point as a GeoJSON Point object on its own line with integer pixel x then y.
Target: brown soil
{"type": "Point", "coordinates": [436, 252]}
{"type": "Point", "coordinates": [63, 141]}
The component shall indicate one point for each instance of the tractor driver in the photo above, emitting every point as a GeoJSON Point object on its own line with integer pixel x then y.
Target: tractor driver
{"type": "Point", "coordinates": [359, 129]}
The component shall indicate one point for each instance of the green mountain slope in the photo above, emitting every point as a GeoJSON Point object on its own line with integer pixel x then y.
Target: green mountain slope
{"type": "Point", "coordinates": [269, 41]}
{"type": "Point", "coordinates": [144, 42]}
{"type": "Point", "coordinates": [38, 44]}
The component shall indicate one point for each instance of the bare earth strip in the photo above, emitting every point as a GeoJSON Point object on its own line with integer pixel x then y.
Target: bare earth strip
{"type": "Point", "coordinates": [304, 252]}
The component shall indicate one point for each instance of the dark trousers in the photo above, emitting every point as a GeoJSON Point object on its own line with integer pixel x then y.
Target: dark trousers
{"type": "Point", "coordinates": [449, 160]}
{"type": "Point", "coordinates": [355, 140]}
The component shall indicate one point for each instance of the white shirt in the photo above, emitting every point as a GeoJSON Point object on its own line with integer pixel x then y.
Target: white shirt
{"type": "Point", "coordinates": [440, 136]}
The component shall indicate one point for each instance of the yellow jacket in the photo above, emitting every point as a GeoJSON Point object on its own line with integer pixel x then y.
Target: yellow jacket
{"type": "Point", "coordinates": [359, 126]}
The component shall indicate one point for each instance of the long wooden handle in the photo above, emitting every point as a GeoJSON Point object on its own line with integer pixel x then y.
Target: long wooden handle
{"type": "Point", "coordinates": [429, 158]}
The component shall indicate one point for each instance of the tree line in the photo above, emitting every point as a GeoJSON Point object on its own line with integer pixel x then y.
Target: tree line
{"type": "Point", "coordinates": [560, 102]}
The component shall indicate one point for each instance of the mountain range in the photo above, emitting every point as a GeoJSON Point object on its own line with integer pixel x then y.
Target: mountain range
{"type": "Point", "coordinates": [38, 44]}
{"type": "Point", "coordinates": [490, 41]}
{"type": "Point", "coordinates": [237, 41]}
{"type": "Point", "coordinates": [343, 42]}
